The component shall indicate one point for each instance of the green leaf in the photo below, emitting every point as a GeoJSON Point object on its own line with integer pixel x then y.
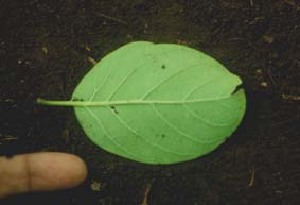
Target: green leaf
{"type": "Point", "coordinates": [158, 103]}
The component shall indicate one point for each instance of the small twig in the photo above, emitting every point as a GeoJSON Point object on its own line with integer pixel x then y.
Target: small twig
{"type": "Point", "coordinates": [91, 60]}
{"type": "Point", "coordinates": [87, 48]}
{"type": "Point", "coordinates": [7, 138]}
{"type": "Point", "coordinates": [111, 18]}
{"type": "Point", "coordinates": [250, 184]}
{"type": "Point", "coordinates": [147, 190]}
{"type": "Point", "coordinates": [251, 3]}
{"type": "Point", "coordinates": [290, 97]}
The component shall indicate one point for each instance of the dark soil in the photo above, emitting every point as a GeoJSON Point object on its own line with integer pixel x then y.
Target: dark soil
{"type": "Point", "coordinates": [46, 47]}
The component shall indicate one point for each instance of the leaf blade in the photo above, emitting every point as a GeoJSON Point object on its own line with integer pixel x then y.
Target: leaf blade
{"type": "Point", "coordinates": [166, 102]}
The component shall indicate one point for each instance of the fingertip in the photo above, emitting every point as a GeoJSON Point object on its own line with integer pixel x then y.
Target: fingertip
{"type": "Point", "coordinates": [53, 171]}
{"type": "Point", "coordinates": [76, 169]}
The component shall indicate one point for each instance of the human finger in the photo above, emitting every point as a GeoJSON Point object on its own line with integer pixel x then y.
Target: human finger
{"type": "Point", "coordinates": [40, 172]}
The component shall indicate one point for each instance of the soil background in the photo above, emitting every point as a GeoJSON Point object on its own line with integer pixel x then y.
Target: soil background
{"type": "Point", "coordinates": [47, 46]}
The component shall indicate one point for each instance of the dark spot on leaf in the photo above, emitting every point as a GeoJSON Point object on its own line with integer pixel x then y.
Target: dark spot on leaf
{"type": "Point", "coordinates": [162, 136]}
{"type": "Point", "coordinates": [163, 67]}
{"type": "Point", "coordinates": [114, 109]}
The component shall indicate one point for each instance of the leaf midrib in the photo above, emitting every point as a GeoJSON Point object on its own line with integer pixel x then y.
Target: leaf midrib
{"type": "Point", "coordinates": [126, 102]}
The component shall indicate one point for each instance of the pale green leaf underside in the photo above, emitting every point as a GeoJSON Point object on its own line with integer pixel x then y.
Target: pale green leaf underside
{"type": "Point", "coordinates": [158, 103]}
